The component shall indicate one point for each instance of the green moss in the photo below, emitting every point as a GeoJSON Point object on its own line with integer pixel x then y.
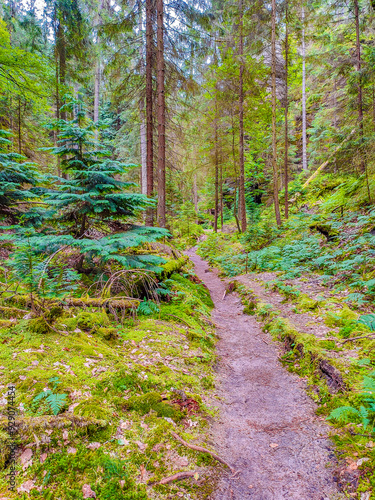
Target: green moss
{"type": "Point", "coordinates": [305, 303]}
{"type": "Point", "coordinates": [341, 317]}
{"type": "Point", "coordinates": [153, 401]}
{"type": "Point", "coordinates": [93, 408]}
{"type": "Point", "coordinates": [107, 333]}
{"type": "Point", "coordinates": [92, 321]}
{"type": "Point", "coordinates": [39, 325]}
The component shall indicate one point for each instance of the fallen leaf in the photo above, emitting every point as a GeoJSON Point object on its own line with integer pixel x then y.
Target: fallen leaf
{"type": "Point", "coordinates": [122, 483]}
{"type": "Point", "coordinates": [366, 495]}
{"type": "Point", "coordinates": [72, 450]}
{"type": "Point", "coordinates": [65, 435]}
{"type": "Point", "coordinates": [158, 447]}
{"type": "Point", "coordinates": [125, 442]}
{"type": "Point", "coordinates": [93, 446]}
{"type": "Point", "coordinates": [362, 460]}
{"type": "Point", "coordinates": [141, 445]}
{"type": "Point", "coordinates": [196, 476]}
{"type": "Point", "coordinates": [143, 472]}
{"type": "Point", "coordinates": [26, 487]}
{"type": "Point", "coordinates": [88, 492]}
{"type": "Point", "coordinates": [43, 457]}
{"type": "Point", "coordinates": [22, 377]}
{"type": "Point", "coordinates": [26, 456]}
{"type": "Point", "coordinates": [274, 445]}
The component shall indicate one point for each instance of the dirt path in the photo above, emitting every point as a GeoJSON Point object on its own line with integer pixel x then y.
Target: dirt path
{"type": "Point", "coordinates": [267, 429]}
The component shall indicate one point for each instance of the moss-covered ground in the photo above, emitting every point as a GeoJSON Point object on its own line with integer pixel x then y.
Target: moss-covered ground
{"type": "Point", "coordinates": [97, 399]}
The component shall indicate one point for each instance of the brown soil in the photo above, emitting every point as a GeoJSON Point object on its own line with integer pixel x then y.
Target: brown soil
{"type": "Point", "coordinates": [304, 322]}
{"type": "Point", "coordinates": [267, 430]}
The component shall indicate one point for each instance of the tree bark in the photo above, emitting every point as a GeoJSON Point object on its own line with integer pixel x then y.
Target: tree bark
{"type": "Point", "coordinates": [242, 203]}
{"type": "Point", "coordinates": [149, 109]}
{"type": "Point", "coordinates": [195, 193]}
{"type": "Point", "coordinates": [286, 152]}
{"type": "Point", "coordinates": [221, 196]}
{"type": "Point", "coordinates": [274, 152]}
{"type": "Point", "coordinates": [161, 215]}
{"type": "Point", "coordinates": [304, 136]}
{"type": "Point", "coordinates": [360, 97]}
{"type": "Point", "coordinates": [19, 127]}
{"type": "Point", "coordinates": [142, 118]}
{"type": "Point", "coordinates": [97, 90]}
{"type": "Point", "coordinates": [216, 167]}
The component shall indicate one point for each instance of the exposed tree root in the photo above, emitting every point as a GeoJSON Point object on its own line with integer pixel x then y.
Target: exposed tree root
{"type": "Point", "coordinates": [175, 477]}
{"type": "Point", "coordinates": [201, 449]}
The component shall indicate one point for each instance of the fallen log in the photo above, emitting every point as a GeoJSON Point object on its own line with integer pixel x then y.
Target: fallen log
{"type": "Point", "coordinates": [100, 302]}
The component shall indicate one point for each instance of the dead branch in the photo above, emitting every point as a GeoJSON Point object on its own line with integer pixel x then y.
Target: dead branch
{"type": "Point", "coordinates": [201, 449]}
{"type": "Point", "coordinates": [356, 338]}
{"type": "Point", "coordinates": [176, 477]}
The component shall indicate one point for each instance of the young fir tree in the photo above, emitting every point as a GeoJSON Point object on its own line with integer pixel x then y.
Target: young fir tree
{"type": "Point", "coordinates": [16, 179]}
{"type": "Point", "coordinates": [87, 209]}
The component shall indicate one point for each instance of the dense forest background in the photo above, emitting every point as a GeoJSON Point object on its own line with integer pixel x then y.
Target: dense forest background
{"type": "Point", "coordinates": [212, 106]}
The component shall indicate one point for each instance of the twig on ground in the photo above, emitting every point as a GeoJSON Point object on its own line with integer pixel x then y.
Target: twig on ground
{"type": "Point", "coordinates": [201, 449]}
{"type": "Point", "coordinates": [356, 338]}
{"type": "Point", "coordinates": [175, 477]}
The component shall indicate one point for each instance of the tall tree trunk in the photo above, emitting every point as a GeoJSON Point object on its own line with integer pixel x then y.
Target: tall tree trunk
{"type": "Point", "coordinates": [19, 127]}
{"type": "Point", "coordinates": [142, 118]}
{"type": "Point", "coordinates": [97, 90]}
{"type": "Point", "coordinates": [274, 152]}
{"type": "Point", "coordinates": [61, 49]}
{"type": "Point", "coordinates": [241, 202]}
{"type": "Point", "coordinates": [195, 193]}
{"type": "Point", "coordinates": [216, 167]}
{"type": "Point", "coordinates": [161, 114]}
{"type": "Point", "coordinates": [360, 97]}
{"type": "Point", "coordinates": [286, 152]}
{"type": "Point", "coordinates": [149, 109]}
{"type": "Point", "coordinates": [304, 136]}
{"type": "Point", "coordinates": [143, 137]}
{"type": "Point", "coordinates": [57, 109]}
{"type": "Point", "coordinates": [221, 196]}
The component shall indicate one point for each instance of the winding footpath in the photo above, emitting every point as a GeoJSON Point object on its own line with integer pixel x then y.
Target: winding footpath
{"type": "Point", "coordinates": [267, 429]}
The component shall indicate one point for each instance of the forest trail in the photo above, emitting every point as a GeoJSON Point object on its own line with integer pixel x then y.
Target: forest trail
{"type": "Point", "coordinates": [267, 430]}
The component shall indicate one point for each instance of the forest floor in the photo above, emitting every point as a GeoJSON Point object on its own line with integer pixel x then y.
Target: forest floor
{"type": "Point", "coordinates": [268, 430]}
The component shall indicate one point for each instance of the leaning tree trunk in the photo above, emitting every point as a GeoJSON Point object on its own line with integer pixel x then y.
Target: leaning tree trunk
{"type": "Point", "coordinates": [304, 133]}
{"type": "Point", "coordinates": [241, 201]}
{"type": "Point", "coordinates": [149, 109]}
{"type": "Point", "coordinates": [286, 152]}
{"type": "Point", "coordinates": [274, 152]}
{"type": "Point", "coordinates": [161, 114]}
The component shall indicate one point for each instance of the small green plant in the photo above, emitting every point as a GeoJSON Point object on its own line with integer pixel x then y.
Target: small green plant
{"type": "Point", "coordinates": [49, 400]}
{"type": "Point", "coordinates": [148, 307]}
{"type": "Point", "coordinates": [365, 414]}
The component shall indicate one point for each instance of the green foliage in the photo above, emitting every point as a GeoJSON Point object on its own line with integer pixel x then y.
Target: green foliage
{"type": "Point", "coordinates": [147, 307]}
{"type": "Point", "coordinates": [49, 400]}
{"type": "Point", "coordinates": [365, 414]}
{"type": "Point", "coordinates": [16, 177]}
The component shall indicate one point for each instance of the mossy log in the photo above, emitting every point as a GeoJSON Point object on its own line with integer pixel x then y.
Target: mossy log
{"type": "Point", "coordinates": [52, 422]}
{"type": "Point", "coordinates": [12, 312]}
{"type": "Point", "coordinates": [120, 304]}
{"type": "Point", "coordinates": [173, 266]}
